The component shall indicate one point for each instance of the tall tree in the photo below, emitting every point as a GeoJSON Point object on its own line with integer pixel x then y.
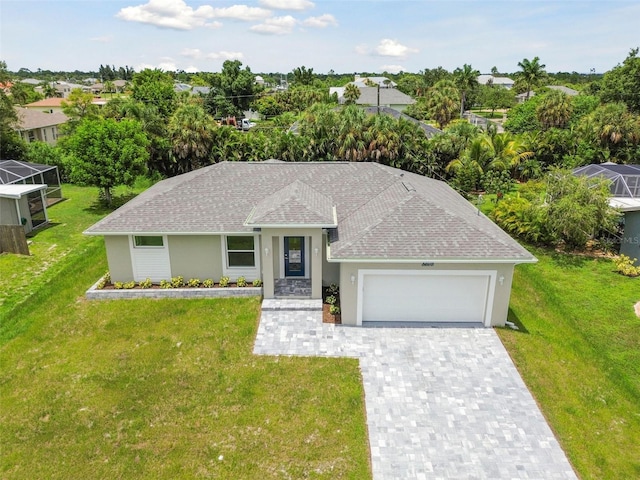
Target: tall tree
{"type": "Point", "coordinates": [78, 106]}
{"type": "Point", "coordinates": [191, 132]}
{"type": "Point", "coordinates": [351, 94]}
{"type": "Point", "coordinates": [443, 102]}
{"type": "Point", "coordinates": [155, 87]}
{"type": "Point", "coordinates": [532, 73]}
{"type": "Point", "coordinates": [105, 153]}
{"type": "Point", "coordinates": [466, 79]}
{"type": "Point", "coordinates": [303, 75]}
{"type": "Point", "coordinates": [622, 83]}
{"type": "Point", "coordinates": [232, 90]}
{"type": "Point", "coordinates": [555, 110]}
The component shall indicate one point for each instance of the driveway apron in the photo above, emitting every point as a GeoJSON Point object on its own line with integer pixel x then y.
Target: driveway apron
{"type": "Point", "coordinates": [441, 403]}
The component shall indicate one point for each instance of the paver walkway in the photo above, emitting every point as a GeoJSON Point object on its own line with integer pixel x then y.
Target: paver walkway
{"type": "Point", "coordinates": [441, 403]}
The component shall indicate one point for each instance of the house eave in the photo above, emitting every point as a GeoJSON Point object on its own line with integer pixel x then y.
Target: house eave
{"type": "Point", "coordinates": [429, 261]}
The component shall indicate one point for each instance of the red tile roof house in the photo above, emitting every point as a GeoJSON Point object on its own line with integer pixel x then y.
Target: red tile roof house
{"type": "Point", "coordinates": [401, 247]}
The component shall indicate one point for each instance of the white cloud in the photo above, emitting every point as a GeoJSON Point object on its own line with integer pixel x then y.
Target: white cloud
{"type": "Point", "coordinates": [192, 69]}
{"type": "Point", "coordinates": [196, 53]}
{"type": "Point", "coordinates": [276, 26]}
{"type": "Point", "coordinates": [242, 12]}
{"type": "Point", "coordinates": [191, 53]}
{"type": "Point", "coordinates": [287, 4]}
{"type": "Point", "coordinates": [322, 21]}
{"type": "Point", "coordinates": [224, 55]}
{"type": "Point", "coordinates": [174, 14]}
{"type": "Point", "coordinates": [167, 65]}
{"type": "Point", "coordinates": [393, 68]}
{"type": "Point", "coordinates": [391, 48]}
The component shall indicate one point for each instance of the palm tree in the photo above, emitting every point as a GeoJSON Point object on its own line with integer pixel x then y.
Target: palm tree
{"type": "Point", "coordinates": [555, 110]}
{"type": "Point", "coordinates": [532, 73]}
{"type": "Point", "coordinates": [382, 139]}
{"type": "Point", "coordinates": [350, 142]}
{"type": "Point", "coordinates": [351, 94]}
{"type": "Point", "coordinates": [466, 78]}
{"type": "Point", "coordinates": [109, 87]}
{"type": "Point", "coordinates": [505, 150]}
{"type": "Point", "coordinates": [191, 133]}
{"type": "Point", "coordinates": [443, 100]}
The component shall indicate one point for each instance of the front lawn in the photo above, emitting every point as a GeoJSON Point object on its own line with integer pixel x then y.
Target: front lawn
{"type": "Point", "coordinates": [170, 389]}
{"type": "Point", "coordinates": [579, 354]}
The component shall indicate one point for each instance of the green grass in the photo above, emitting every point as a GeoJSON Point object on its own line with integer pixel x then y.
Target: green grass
{"type": "Point", "coordinates": [156, 388]}
{"type": "Point", "coordinates": [54, 247]}
{"type": "Point", "coordinates": [579, 354]}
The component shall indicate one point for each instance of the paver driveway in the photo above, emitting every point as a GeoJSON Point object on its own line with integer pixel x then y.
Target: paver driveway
{"type": "Point", "coordinates": [440, 402]}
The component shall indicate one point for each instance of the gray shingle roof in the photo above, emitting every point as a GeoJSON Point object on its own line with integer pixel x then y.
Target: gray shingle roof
{"type": "Point", "coordinates": [382, 212]}
{"type": "Point", "coordinates": [295, 204]}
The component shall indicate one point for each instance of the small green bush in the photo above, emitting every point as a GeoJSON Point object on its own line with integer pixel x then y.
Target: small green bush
{"type": "Point", "coordinates": [331, 300]}
{"type": "Point", "coordinates": [130, 285]}
{"type": "Point", "coordinates": [193, 282]}
{"type": "Point", "coordinates": [165, 284]}
{"type": "Point", "coordinates": [257, 282]}
{"type": "Point", "coordinates": [146, 283]}
{"type": "Point", "coordinates": [104, 281]}
{"type": "Point", "coordinates": [118, 285]}
{"type": "Point", "coordinates": [177, 282]}
{"type": "Point", "coordinates": [241, 282]}
{"type": "Point", "coordinates": [224, 281]}
{"type": "Point", "coordinates": [625, 266]}
{"type": "Point", "coordinates": [333, 289]}
{"type": "Point", "coordinates": [334, 310]}
{"type": "Point", "coordinates": [208, 283]}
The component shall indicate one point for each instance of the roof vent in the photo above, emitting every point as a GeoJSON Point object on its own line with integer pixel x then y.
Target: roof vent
{"type": "Point", "coordinates": [408, 186]}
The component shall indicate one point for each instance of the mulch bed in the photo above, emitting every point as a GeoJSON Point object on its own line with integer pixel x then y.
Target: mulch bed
{"type": "Point", "coordinates": [327, 317]}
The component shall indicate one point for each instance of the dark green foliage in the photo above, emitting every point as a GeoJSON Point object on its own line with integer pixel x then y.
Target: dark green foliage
{"type": "Point", "coordinates": [105, 153]}
{"type": "Point", "coordinates": [42, 152]}
{"type": "Point", "coordinates": [154, 87]}
{"type": "Point", "coordinates": [522, 118]}
{"type": "Point", "coordinates": [622, 83]}
{"type": "Point", "coordinates": [498, 182]}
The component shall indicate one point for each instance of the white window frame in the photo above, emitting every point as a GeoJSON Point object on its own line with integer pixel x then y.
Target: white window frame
{"type": "Point", "coordinates": [250, 273]}
{"type": "Point", "coordinates": [163, 237]}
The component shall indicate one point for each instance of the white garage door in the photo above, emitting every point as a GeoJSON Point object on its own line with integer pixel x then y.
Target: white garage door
{"type": "Point", "coordinates": [402, 296]}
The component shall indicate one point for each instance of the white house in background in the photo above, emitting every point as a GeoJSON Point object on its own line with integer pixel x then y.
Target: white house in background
{"type": "Point", "coordinates": [374, 96]}
{"type": "Point", "coordinates": [487, 79]}
{"type": "Point", "coordinates": [402, 247]}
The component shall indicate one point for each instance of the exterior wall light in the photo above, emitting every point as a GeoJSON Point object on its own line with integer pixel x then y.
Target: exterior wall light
{"type": "Point", "coordinates": [316, 251]}
{"type": "Point", "coordinates": [501, 279]}
{"type": "Point", "coordinates": [266, 251]}
{"type": "Point", "coordinates": [353, 279]}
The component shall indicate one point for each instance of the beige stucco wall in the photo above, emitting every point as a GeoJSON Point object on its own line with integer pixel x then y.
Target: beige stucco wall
{"type": "Point", "coordinates": [195, 256]}
{"type": "Point", "coordinates": [271, 261]}
{"type": "Point", "coordinates": [119, 257]}
{"type": "Point", "coordinates": [8, 213]}
{"type": "Point", "coordinates": [330, 270]}
{"type": "Point", "coordinates": [349, 291]}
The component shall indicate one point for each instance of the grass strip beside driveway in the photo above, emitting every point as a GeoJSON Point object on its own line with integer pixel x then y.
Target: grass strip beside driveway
{"type": "Point", "coordinates": [579, 354]}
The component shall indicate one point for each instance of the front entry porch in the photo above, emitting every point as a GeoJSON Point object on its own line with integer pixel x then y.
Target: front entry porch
{"type": "Point", "coordinates": [292, 287]}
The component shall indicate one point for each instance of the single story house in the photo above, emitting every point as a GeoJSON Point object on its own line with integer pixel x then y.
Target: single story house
{"type": "Point", "coordinates": [487, 79]}
{"type": "Point", "coordinates": [54, 104]}
{"type": "Point", "coordinates": [522, 97]}
{"type": "Point", "coordinates": [374, 96]}
{"type": "Point", "coordinates": [382, 82]}
{"type": "Point", "coordinates": [400, 246]}
{"type": "Point", "coordinates": [38, 126]}
{"type": "Point", "coordinates": [625, 196]}
{"type": "Point", "coordinates": [26, 190]}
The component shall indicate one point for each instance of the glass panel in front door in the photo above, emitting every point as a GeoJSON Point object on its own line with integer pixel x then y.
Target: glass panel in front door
{"type": "Point", "coordinates": [294, 256]}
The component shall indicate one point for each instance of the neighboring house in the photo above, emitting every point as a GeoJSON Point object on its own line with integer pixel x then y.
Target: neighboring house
{"type": "Point", "coordinates": [521, 97]}
{"type": "Point", "coordinates": [625, 196]}
{"type": "Point", "coordinates": [54, 105]}
{"type": "Point", "coordinates": [429, 130]}
{"type": "Point", "coordinates": [383, 82]}
{"type": "Point", "coordinates": [26, 189]}
{"type": "Point", "coordinates": [374, 96]}
{"type": "Point", "coordinates": [119, 86]}
{"type": "Point", "coordinates": [505, 82]}
{"type": "Point", "coordinates": [401, 247]}
{"type": "Point", "coordinates": [37, 126]}
{"type": "Point", "coordinates": [63, 89]}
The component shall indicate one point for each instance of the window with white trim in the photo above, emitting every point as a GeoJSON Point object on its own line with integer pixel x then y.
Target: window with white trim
{"type": "Point", "coordinates": [147, 241]}
{"type": "Point", "coordinates": [241, 252]}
